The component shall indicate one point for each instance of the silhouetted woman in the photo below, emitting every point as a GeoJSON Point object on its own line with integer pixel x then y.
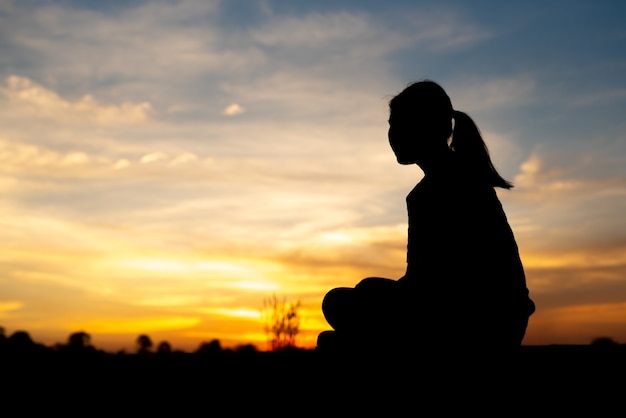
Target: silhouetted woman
{"type": "Point", "coordinates": [464, 285]}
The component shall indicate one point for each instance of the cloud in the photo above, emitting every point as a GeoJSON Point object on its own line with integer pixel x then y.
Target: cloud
{"type": "Point", "coordinates": [136, 325]}
{"type": "Point", "coordinates": [578, 324]}
{"type": "Point", "coordinates": [315, 30]}
{"type": "Point", "coordinates": [544, 176]}
{"type": "Point", "coordinates": [75, 158]}
{"type": "Point", "coordinates": [121, 164]}
{"type": "Point", "coordinates": [184, 158]}
{"type": "Point", "coordinates": [566, 218]}
{"type": "Point", "coordinates": [483, 96]}
{"type": "Point", "coordinates": [444, 29]}
{"type": "Point", "coordinates": [233, 110]}
{"type": "Point", "coordinates": [281, 59]}
{"type": "Point", "coordinates": [6, 307]}
{"type": "Point", "coordinates": [601, 97]}
{"type": "Point", "coordinates": [23, 159]}
{"type": "Point", "coordinates": [533, 173]}
{"type": "Point", "coordinates": [153, 157]}
{"type": "Point", "coordinates": [39, 101]}
{"type": "Point", "coordinates": [435, 29]}
{"type": "Point", "coordinates": [236, 312]}
{"type": "Point", "coordinates": [173, 45]}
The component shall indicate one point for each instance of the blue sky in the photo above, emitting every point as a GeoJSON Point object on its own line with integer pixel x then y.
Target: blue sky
{"type": "Point", "coordinates": [166, 165]}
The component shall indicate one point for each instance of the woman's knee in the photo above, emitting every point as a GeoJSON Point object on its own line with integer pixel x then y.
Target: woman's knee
{"type": "Point", "coordinates": [338, 306]}
{"type": "Point", "coordinates": [375, 283]}
{"type": "Point", "coordinates": [336, 297]}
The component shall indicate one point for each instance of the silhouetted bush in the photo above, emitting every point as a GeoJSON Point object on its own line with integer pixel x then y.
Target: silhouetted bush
{"type": "Point", "coordinates": [282, 322]}
{"type": "Point", "coordinates": [604, 341]}
{"type": "Point", "coordinates": [212, 347]}
{"type": "Point", "coordinates": [246, 349]}
{"type": "Point", "coordinates": [144, 344]}
{"type": "Point", "coordinates": [21, 339]}
{"type": "Point", "coordinates": [79, 340]}
{"type": "Point", "coordinates": [164, 348]}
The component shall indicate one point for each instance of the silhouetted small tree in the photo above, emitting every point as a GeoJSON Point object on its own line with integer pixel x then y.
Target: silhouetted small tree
{"type": "Point", "coordinates": [282, 322]}
{"type": "Point", "coordinates": [79, 340]}
{"type": "Point", "coordinates": [212, 347]}
{"type": "Point", "coordinates": [246, 349]}
{"type": "Point", "coordinates": [21, 342]}
{"type": "Point", "coordinates": [164, 348]}
{"type": "Point", "coordinates": [144, 344]}
{"type": "Point", "coordinates": [21, 339]}
{"type": "Point", "coordinates": [3, 339]}
{"type": "Point", "coordinates": [603, 341]}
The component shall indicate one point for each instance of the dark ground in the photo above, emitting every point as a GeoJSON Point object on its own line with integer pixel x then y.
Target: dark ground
{"type": "Point", "coordinates": [537, 381]}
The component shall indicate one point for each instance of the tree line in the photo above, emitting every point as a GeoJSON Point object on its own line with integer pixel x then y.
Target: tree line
{"type": "Point", "coordinates": [281, 326]}
{"type": "Point", "coordinates": [20, 342]}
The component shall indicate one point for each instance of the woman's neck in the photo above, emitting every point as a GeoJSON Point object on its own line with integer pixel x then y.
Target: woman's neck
{"type": "Point", "coordinates": [438, 163]}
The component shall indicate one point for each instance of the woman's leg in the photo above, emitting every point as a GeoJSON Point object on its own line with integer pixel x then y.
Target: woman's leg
{"type": "Point", "coordinates": [339, 307]}
{"type": "Point", "coordinates": [376, 284]}
{"type": "Point", "coordinates": [355, 309]}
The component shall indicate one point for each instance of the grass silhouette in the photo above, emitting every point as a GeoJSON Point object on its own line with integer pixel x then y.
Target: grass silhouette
{"type": "Point", "coordinates": [299, 382]}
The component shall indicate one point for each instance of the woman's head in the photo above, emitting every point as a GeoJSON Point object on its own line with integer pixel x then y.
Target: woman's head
{"type": "Point", "coordinates": [425, 102]}
{"type": "Point", "coordinates": [421, 123]}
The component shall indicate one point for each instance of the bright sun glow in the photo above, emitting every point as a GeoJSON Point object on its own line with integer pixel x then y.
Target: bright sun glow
{"type": "Point", "coordinates": [6, 307]}
{"type": "Point", "coordinates": [235, 312]}
{"type": "Point", "coordinates": [260, 285]}
{"type": "Point", "coordinates": [180, 266]}
{"type": "Point", "coordinates": [136, 326]}
{"type": "Point", "coordinates": [336, 237]}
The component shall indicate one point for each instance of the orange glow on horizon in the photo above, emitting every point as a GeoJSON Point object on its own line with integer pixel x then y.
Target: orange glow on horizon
{"type": "Point", "coordinates": [577, 324]}
{"type": "Point", "coordinates": [242, 283]}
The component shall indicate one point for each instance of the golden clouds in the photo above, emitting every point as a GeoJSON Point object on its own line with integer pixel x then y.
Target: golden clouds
{"type": "Point", "coordinates": [492, 94]}
{"type": "Point", "coordinates": [6, 307]}
{"type": "Point", "coordinates": [233, 110]}
{"type": "Point", "coordinates": [236, 312]}
{"type": "Point", "coordinates": [121, 164]}
{"type": "Point", "coordinates": [19, 157]}
{"type": "Point", "coordinates": [581, 256]}
{"type": "Point", "coordinates": [543, 176]}
{"type": "Point", "coordinates": [171, 161]}
{"type": "Point", "coordinates": [577, 324]}
{"type": "Point", "coordinates": [42, 102]}
{"type": "Point", "coordinates": [153, 157]}
{"type": "Point", "coordinates": [134, 326]}
{"type": "Point", "coordinates": [191, 265]}
{"type": "Point", "coordinates": [183, 158]}
{"type": "Point", "coordinates": [540, 179]}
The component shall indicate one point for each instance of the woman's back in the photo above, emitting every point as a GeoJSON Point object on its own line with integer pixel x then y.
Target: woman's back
{"type": "Point", "coordinates": [464, 283]}
{"type": "Point", "coordinates": [459, 233]}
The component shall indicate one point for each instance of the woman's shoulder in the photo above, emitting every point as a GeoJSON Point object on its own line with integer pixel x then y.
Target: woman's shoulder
{"type": "Point", "coordinates": [418, 189]}
{"type": "Point", "coordinates": [454, 185]}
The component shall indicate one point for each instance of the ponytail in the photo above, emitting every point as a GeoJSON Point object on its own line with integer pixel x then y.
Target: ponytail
{"type": "Point", "coordinates": [468, 144]}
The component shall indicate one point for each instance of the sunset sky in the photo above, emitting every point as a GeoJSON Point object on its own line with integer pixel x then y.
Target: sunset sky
{"type": "Point", "coordinates": [168, 165]}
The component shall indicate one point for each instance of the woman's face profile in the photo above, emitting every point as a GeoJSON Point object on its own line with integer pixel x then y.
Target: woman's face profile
{"type": "Point", "coordinates": [407, 138]}
{"type": "Point", "coordinates": [399, 139]}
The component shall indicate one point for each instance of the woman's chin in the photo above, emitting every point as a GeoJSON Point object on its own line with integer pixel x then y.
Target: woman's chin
{"type": "Point", "coordinates": [405, 161]}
